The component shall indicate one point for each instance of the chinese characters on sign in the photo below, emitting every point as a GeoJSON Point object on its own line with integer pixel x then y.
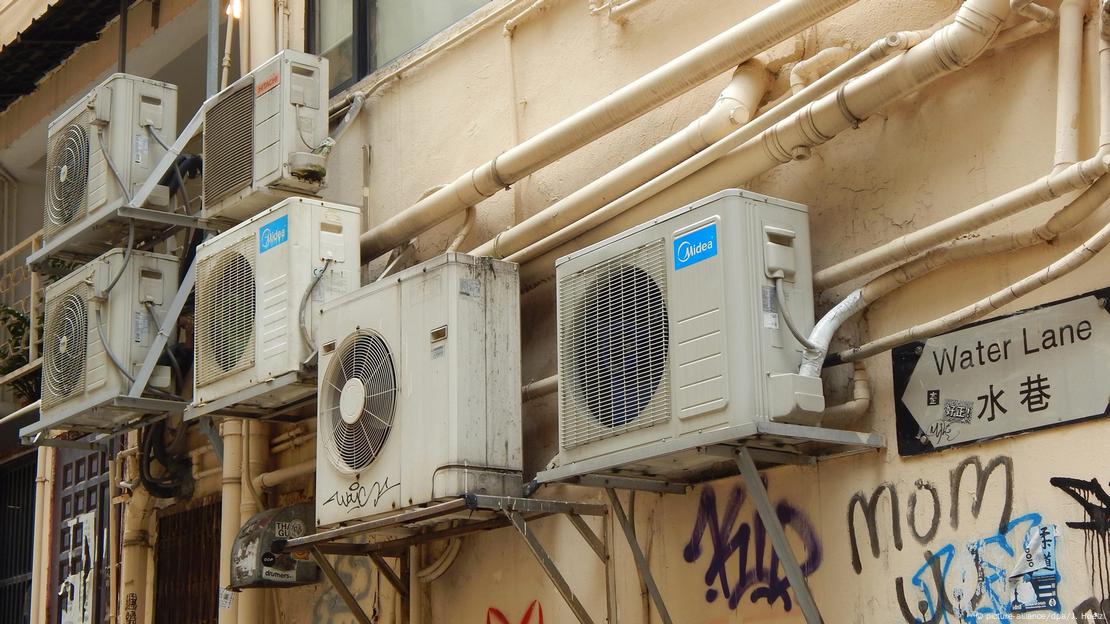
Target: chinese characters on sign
{"type": "Point", "coordinates": [1036, 368]}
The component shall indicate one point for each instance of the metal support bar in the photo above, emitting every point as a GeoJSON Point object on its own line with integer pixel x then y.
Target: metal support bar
{"type": "Point", "coordinates": [172, 314]}
{"type": "Point", "coordinates": [214, 438]}
{"type": "Point", "coordinates": [390, 575]}
{"type": "Point", "coordinates": [595, 542]}
{"type": "Point", "coordinates": [638, 556]}
{"type": "Point", "coordinates": [340, 586]}
{"type": "Point", "coordinates": [778, 536]}
{"type": "Point", "coordinates": [630, 483]}
{"type": "Point", "coordinates": [766, 456]}
{"type": "Point", "coordinates": [549, 567]}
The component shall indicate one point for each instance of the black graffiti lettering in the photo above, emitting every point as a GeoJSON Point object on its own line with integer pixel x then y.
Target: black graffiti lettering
{"type": "Point", "coordinates": [1095, 502]}
{"type": "Point", "coordinates": [911, 513]}
{"type": "Point", "coordinates": [869, 507]}
{"type": "Point", "coordinates": [982, 479]}
{"type": "Point", "coordinates": [358, 495]}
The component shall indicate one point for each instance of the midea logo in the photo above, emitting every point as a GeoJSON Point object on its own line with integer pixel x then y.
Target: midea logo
{"type": "Point", "coordinates": [272, 237]}
{"type": "Point", "coordinates": [687, 250]}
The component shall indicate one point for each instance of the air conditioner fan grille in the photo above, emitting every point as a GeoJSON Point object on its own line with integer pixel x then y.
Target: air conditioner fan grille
{"type": "Point", "coordinates": [65, 346]}
{"type": "Point", "coordinates": [613, 346]}
{"type": "Point", "coordinates": [67, 174]}
{"type": "Point", "coordinates": [225, 319]}
{"type": "Point", "coordinates": [358, 400]}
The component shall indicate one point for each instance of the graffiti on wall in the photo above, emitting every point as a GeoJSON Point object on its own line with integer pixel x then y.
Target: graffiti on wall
{"type": "Point", "coordinates": [1095, 503]}
{"type": "Point", "coordinates": [1010, 567]}
{"type": "Point", "coordinates": [740, 558]}
{"type": "Point", "coordinates": [358, 577]}
{"type": "Point", "coordinates": [532, 615]}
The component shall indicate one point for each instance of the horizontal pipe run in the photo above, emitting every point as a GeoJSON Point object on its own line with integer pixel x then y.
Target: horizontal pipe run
{"type": "Point", "coordinates": [282, 475]}
{"type": "Point", "coordinates": [771, 26]}
{"type": "Point", "coordinates": [539, 388]}
{"type": "Point", "coordinates": [1073, 260]}
{"type": "Point", "coordinates": [879, 50]}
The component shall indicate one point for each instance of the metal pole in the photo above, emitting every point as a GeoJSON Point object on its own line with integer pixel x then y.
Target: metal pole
{"type": "Point", "coordinates": [549, 567]}
{"type": "Point", "coordinates": [123, 36]}
{"type": "Point", "coordinates": [340, 586]}
{"type": "Point", "coordinates": [778, 536]}
{"type": "Point", "coordinates": [168, 324]}
{"type": "Point", "coordinates": [638, 555]}
{"type": "Point", "coordinates": [212, 60]}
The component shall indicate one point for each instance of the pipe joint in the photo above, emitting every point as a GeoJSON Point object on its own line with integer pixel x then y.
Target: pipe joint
{"type": "Point", "coordinates": [772, 145]}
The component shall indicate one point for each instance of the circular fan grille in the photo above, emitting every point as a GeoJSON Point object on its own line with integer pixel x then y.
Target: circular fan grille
{"type": "Point", "coordinates": [619, 352]}
{"type": "Point", "coordinates": [68, 337]}
{"type": "Point", "coordinates": [68, 175]}
{"type": "Point", "coordinates": [357, 401]}
{"type": "Point", "coordinates": [230, 322]}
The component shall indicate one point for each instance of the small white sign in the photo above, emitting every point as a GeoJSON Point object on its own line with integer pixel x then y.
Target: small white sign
{"type": "Point", "coordinates": [225, 598]}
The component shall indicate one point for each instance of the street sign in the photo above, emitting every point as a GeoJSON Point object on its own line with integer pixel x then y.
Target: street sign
{"type": "Point", "coordinates": [1037, 368]}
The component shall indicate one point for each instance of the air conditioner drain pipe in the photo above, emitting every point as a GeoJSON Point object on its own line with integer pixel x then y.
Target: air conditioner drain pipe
{"type": "Point", "coordinates": [1066, 218]}
{"type": "Point", "coordinates": [728, 49]}
{"type": "Point", "coordinates": [734, 107]}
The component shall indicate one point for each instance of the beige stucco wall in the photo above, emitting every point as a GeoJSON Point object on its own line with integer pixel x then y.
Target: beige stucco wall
{"type": "Point", "coordinates": [967, 138]}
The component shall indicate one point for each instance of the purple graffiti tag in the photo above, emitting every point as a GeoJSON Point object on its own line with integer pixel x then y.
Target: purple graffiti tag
{"type": "Point", "coordinates": [729, 536]}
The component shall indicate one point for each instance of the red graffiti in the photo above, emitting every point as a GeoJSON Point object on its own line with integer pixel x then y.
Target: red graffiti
{"type": "Point", "coordinates": [495, 616]}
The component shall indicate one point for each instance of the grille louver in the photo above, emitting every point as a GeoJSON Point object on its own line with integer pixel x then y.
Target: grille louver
{"type": "Point", "coordinates": [67, 175]}
{"type": "Point", "coordinates": [225, 318]}
{"type": "Point", "coordinates": [613, 347]}
{"type": "Point", "coordinates": [358, 401]}
{"type": "Point", "coordinates": [65, 346]}
{"type": "Point", "coordinates": [229, 144]}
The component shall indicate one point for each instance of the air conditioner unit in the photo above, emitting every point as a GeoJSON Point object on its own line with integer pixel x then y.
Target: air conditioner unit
{"type": "Point", "coordinates": [669, 337]}
{"type": "Point", "coordinates": [77, 372]}
{"type": "Point", "coordinates": [419, 395]}
{"type": "Point", "coordinates": [260, 133]}
{"type": "Point", "coordinates": [110, 126]}
{"type": "Point", "coordinates": [252, 284]}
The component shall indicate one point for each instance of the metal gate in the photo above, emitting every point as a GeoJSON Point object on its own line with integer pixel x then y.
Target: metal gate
{"type": "Point", "coordinates": [188, 555]}
{"type": "Point", "coordinates": [17, 520]}
{"type": "Point", "coordinates": [81, 540]}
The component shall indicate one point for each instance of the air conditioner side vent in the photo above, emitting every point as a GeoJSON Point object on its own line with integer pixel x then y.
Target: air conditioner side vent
{"type": "Point", "coordinates": [229, 144]}
{"type": "Point", "coordinates": [613, 346]}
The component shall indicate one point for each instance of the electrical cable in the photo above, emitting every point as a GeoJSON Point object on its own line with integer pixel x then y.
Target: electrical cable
{"type": "Point", "coordinates": [112, 165]}
{"type": "Point", "coordinates": [178, 373]}
{"type": "Point", "coordinates": [780, 298]}
{"type": "Point", "coordinates": [305, 334]}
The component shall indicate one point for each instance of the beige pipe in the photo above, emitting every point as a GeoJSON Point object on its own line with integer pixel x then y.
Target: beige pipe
{"type": "Point", "coordinates": [281, 475]}
{"type": "Point", "coordinates": [1104, 83]}
{"type": "Point", "coordinates": [530, 12]}
{"type": "Point", "coordinates": [1068, 80]}
{"type": "Point", "coordinates": [136, 549]}
{"type": "Point", "coordinates": [732, 47]}
{"type": "Point", "coordinates": [961, 249]}
{"type": "Point", "coordinates": [733, 108]}
{"type": "Point", "coordinates": [661, 193]}
{"type": "Point", "coordinates": [854, 408]}
{"type": "Point", "coordinates": [231, 430]}
{"type": "Point", "coordinates": [1045, 189]}
{"type": "Point", "coordinates": [1031, 10]}
{"type": "Point", "coordinates": [806, 71]}
{"type": "Point", "coordinates": [293, 443]}
{"type": "Point", "coordinates": [262, 21]}
{"type": "Point", "coordinates": [539, 388]}
{"type": "Point", "coordinates": [256, 451]}
{"type": "Point", "coordinates": [1073, 260]}
{"type": "Point", "coordinates": [225, 74]}
{"type": "Point", "coordinates": [44, 491]}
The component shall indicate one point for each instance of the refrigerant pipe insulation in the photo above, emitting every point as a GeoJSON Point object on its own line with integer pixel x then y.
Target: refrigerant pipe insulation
{"type": "Point", "coordinates": [728, 49]}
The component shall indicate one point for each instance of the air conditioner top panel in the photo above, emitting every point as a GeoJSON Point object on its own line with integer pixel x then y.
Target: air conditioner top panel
{"type": "Point", "coordinates": [687, 208]}
{"type": "Point", "coordinates": [82, 102]}
{"type": "Point", "coordinates": [423, 267]}
{"type": "Point", "coordinates": [289, 203]}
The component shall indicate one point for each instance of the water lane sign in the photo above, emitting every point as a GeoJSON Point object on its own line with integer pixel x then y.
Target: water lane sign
{"type": "Point", "coordinates": [1037, 368]}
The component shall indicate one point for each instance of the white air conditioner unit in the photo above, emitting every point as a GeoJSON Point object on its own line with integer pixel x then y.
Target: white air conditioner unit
{"type": "Point", "coordinates": [252, 284]}
{"type": "Point", "coordinates": [669, 337]}
{"type": "Point", "coordinates": [77, 372]}
{"type": "Point", "coordinates": [420, 390]}
{"type": "Point", "coordinates": [110, 126]}
{"type": "Point", "coordinates": [260, 133]}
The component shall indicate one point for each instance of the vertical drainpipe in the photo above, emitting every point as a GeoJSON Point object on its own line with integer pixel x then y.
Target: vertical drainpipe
{"type": "Point", "coordinates": [123, 35]}
{"type": "Point", "coordinates": [44, 491]}
{"type": "Point", "coordinates": [231, 430]}
{"type": "Point", "coordinates": [212, 60]}
{"type": "Point", "coordinates": [256, 446]}
{"type": "Point", "coordinates": [263, 26]}
{"type": "Point", "coordinates": [136, 547]}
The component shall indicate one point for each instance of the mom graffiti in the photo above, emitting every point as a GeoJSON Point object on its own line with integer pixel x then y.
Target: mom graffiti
{"type": "Point", "coordinates": [743, 544]}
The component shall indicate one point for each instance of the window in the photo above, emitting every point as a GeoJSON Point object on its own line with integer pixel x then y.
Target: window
{"type": "Point", "coordinates": [359, 36]}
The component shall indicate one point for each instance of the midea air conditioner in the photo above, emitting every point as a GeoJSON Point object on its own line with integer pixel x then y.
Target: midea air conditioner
{"type": "Point", "coordinates": [77, 372]}
{"type": "Point", "coordinates": [669, 336]}
{"type": "Point", "coordinates": [420, 390]}
{"type": "Point", "coordinates": [111, 124]}
{"type": "Point", "coordinates": [253, 304]}
{"type": "Point", "coordinates": [260, 133]}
